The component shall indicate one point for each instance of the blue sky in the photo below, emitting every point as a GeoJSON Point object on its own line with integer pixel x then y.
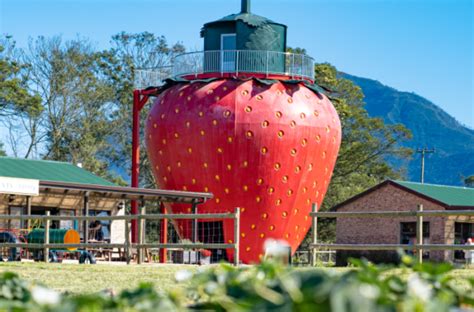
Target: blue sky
{"type": "Point", "coordinates": [421, 46]}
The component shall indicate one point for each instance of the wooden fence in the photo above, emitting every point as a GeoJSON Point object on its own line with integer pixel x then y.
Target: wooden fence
{"type": "Point", "coordinates": [127, 245]}
{"type": "Point", "coordinates": [418, 247]}
{"type": "Point", "coordinates": [303, 257]}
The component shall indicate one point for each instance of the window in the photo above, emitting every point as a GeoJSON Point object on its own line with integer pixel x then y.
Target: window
{"type": "Point", "coordinates": [462, 231]}
{"type": "Point", "coordinates": [67, 224]}
{"type": "Point", "coordinates": [228, 54]}
{"type": "Point", "coordinates": [408, 235]}
{"type": "Point", "coordinates": [16, 224]}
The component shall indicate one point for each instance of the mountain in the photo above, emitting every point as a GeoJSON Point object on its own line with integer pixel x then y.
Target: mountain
{"type": "Point", "coordinates": [431, 127]}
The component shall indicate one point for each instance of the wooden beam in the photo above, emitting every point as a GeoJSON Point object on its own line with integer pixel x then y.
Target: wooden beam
{"type": "Point", "coordinates": [387, 214]}
{"type": "Point", "coordinates": [419, 234]}
{"type": "Point", "coordinates": [28, 211]}
{"type": "Point", "coordinates": [390, 247]}
{"type": "Point", "coordinates": [46, 238]}
{"type": "Point", "coordinates": [86, 213]}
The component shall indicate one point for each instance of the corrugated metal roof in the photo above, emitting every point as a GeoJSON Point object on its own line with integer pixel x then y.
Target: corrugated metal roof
{"type": "Point", "coordinates": [247, 18]}
{"type": "Point", "coordinates": [449, 195]}
{"type": "Point", "coordinates": [46, 170]}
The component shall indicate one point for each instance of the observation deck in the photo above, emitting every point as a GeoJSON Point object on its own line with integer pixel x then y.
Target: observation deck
{"type": "Point", "coordinates": [231, 64]}
{"type": "Point", "coordinates": [244, 63]}
{"type": "Point", "coordinates": [242, 45]}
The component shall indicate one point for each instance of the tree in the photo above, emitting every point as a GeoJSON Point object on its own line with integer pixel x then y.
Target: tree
{"type": "Point", "coordinates": [469, 181]}
{"type": "Point", "coordinates": [130, 52]}
{"type": "Point", "coordinates": [2, 151]}
{"type": "Point", "coordinates": [74, 125]}
{"type": "Point", "coordinates": [296, 50]}
{"type": "Point", "coordinates": [366, 141]}
{"type": "Point", "coordinates": [16, 101]}
{"type": "Point", "coordinates": [14, 95]}
{"type": "Point", "coordinates": [85, 98]}
{"type": "Point", "coordinates": [366, 144]}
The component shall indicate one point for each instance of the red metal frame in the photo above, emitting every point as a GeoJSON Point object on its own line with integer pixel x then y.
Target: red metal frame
{"type": "Point", "coordinates": [140, 98]}
{"type": "Point", "coordinates": [163, 235]}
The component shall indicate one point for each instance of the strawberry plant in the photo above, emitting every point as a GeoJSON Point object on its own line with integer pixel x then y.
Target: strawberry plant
{"type": "Point", "coordinates": [264, 287]}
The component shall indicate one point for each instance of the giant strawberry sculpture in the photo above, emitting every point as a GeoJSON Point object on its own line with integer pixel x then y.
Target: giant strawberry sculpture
{"type": "Point", "coordinates": [268, 148]}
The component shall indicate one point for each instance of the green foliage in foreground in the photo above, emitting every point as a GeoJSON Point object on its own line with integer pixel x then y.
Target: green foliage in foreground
{"type": "Point", "coordinates": [268, 286]}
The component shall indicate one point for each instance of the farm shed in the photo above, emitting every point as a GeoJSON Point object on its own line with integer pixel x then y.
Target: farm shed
{"type": "Point", "coordinates": [55, 180]}
{"type": "Point", "coordinates": [405, 196]}
{"type": "Point", "coordinates": [65, 189]}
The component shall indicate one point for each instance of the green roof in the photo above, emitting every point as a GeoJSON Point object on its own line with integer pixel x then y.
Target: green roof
{"type": "Point", "coordinates": [46, 170]}
{"type": "Point", "coordinates": [449, 195]}
{"type": "Point", "coordinates": [248, 18]}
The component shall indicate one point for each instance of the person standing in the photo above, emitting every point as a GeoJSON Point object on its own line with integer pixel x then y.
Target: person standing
{"type": "Point", "coordinates": [469, 254]}
{"type": "Point", "coordinates": [95, 231]}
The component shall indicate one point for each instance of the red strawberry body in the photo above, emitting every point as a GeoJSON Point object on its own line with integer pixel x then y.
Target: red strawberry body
{"type": "Point", "coordinates": [268, 149]}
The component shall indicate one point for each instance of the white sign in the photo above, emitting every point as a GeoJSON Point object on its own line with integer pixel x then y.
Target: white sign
{"type": "Point", "coordinates": [18, 186]}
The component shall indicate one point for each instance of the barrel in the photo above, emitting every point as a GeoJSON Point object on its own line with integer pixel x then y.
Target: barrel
{"type": "Point", "coordinates": [56, 236]}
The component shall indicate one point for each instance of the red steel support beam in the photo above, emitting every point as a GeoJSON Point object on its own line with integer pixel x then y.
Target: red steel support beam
{"type": "Point", "coordinates": [140, 98]}
{"type": "Point", "coordinates": [163, 235]}
{"type": "Point", "coordinates": [135, 156]}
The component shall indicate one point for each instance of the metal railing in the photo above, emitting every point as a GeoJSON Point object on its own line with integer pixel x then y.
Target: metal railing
{"type": "Point", "coordinates": [244, 61]}
{"type": "Point", "coordinates": [266, 63]}
{"type": "Point", "coordinates": [146, 77]}
{"type": "Point", "coordinates": [303, 257]}
{"type": "Point", "coordinates": [127, 245]}
{"type": "Point", "coordinates": [418, 247]}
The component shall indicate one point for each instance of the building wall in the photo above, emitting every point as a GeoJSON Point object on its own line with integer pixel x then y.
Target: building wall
{"type": "Point", "coordinates": [385, 230]}
{"type": "Point", "coordinates": [117, 228]}
{"type": "Point", "coordinates": [212, 39]}
{"type": "Point", "coordinates": [450, 231]}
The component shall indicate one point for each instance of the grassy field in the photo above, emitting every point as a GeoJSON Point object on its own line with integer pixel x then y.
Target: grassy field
{"type": "Point", "coordinates": [74, 278]}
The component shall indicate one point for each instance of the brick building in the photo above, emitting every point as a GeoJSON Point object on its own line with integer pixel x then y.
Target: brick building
{"type": "Point", "coordinates": [405, 196]}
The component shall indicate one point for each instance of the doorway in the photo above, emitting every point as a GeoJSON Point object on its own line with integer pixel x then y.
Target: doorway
{"type": "Point", "coordinates": [228, 53]}
{"type": "Point", "coordinates": [213, 233]}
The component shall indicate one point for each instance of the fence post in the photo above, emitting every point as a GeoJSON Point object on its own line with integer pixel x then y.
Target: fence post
{"type": "Point", "coordinates": [237, 63]}
{"type": "Point", "coordinates": [196, 67]}
{"type": "Point", "coordinates": [266, 67]}
{"type": "Point", "coordinates": [419, 234]}
{"type": "Point", "coordinates": [293, 66]}
{"type": "Point", "coordinates": [127, 241]}
{"type": "Point", "coordinates": [314, 209]}
{"type": "Point", "coordinates": [222, 62]}
{"type": "Point", "coordinates": [46, 238]}
{"type": "Point", "coordinates": [141, 234]}
{"type": "Point", "coordinates": [236, 236]}
{"type": "Point", "coordinates": [195, 224]}
{"type": "Point", "coordinates": [86, 222]}
{"type": "Point", "coordinates": [163, 234]}
{"type": "Point", "coordinates": [302, 66]}
{"type": "Point", "coordinates": [28, 211]}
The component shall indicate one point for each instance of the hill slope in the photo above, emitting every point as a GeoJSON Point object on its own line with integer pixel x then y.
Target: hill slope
{"type": "Point", "coordinates": [431, 127]}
